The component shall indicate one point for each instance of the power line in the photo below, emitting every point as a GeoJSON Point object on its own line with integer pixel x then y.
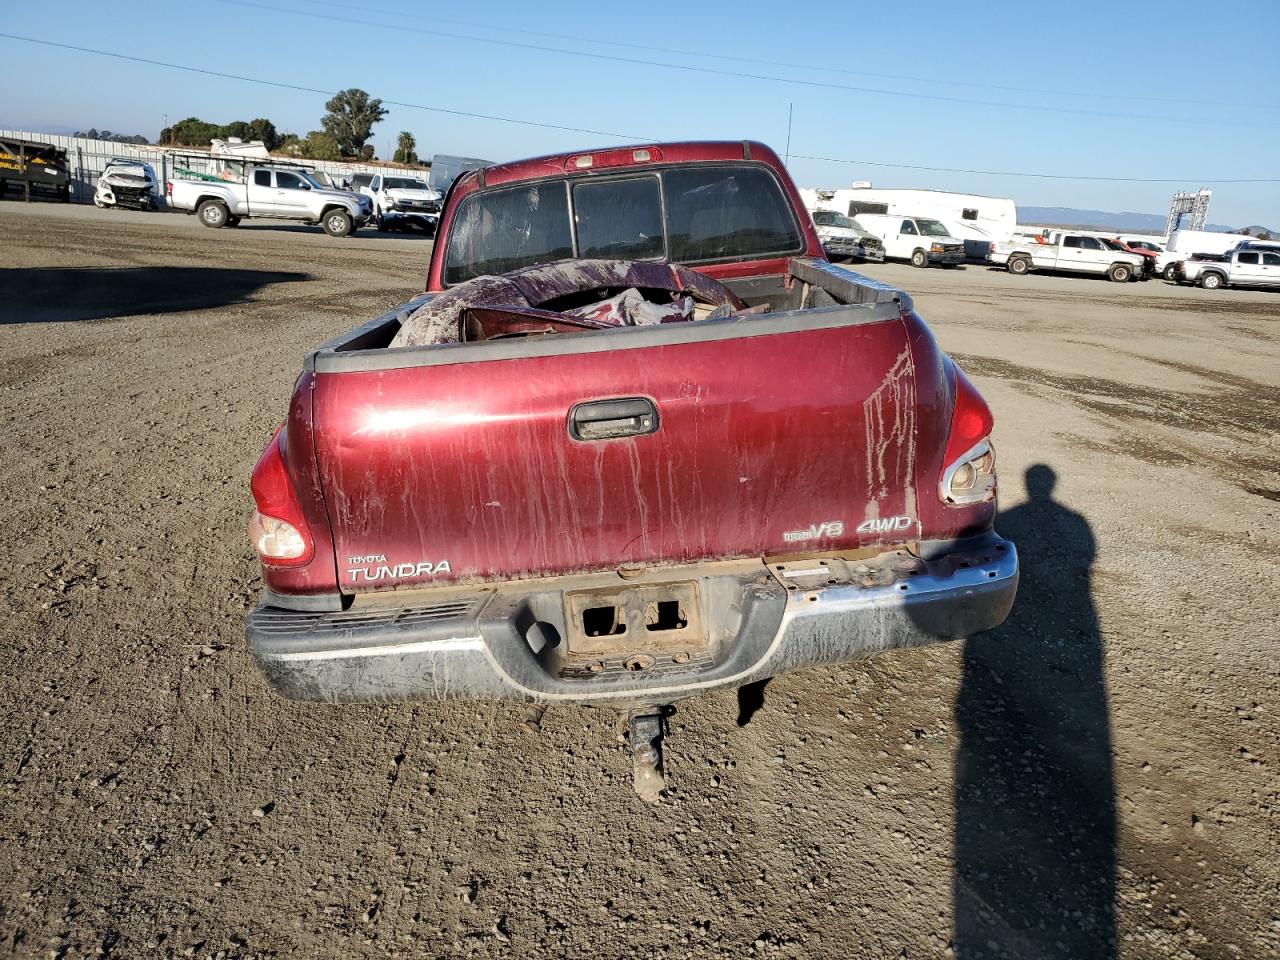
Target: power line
{"type": "Point", "coordinates": [769, 78]}
{"type": "Point", "coordinates": [1037, 176]}
{"type": "Point", "coordinates": [303, 89]}
{"type": "Point", "coordinates": [1110, 94]}
{"type": "Point", "coordinates": [601, 133]}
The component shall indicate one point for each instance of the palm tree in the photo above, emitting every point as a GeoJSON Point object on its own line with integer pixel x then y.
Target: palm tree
{"type": "Point", "coordinates": [406, 148]}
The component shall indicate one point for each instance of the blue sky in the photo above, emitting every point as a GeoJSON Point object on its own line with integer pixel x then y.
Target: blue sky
{"type": "Point", "coordinates": [1168, 90]}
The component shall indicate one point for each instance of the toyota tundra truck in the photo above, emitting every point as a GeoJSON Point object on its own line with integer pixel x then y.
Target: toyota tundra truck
{"type": "Point", "coordinates": [638, 440]}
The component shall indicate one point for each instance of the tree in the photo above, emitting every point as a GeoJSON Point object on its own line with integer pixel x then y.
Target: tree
{"type": "Point", "coordinates": [320, 145]}
{"type": "Point", "coordinates": [194, 132]}
{"type": "Point", "coordinates": [93, 133]}
{"type": "Point", "coordinates": [349, 119]}
{"type": "Point", "coordinates": [406, 148]}
{"type": "Point", "coordinates": [191, 132]}
{"type": "Point", "coordinates": [264, 130]}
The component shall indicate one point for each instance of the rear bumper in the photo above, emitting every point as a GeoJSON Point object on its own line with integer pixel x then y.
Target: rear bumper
{"type": "Point", "coordinates": [507, 643]}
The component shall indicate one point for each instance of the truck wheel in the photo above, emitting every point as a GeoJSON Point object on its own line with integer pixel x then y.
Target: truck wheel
{"type": "Point", "coordinates": [919, 259]}
{"type": "Point", "coordinates": [1019, 265]}
{"type": "Point", "coordinates": [233, 221]}
{"type": "Point", "coordinates": [213, 213]}
{"type": "Point", "coordinates": [1170, 273]}
{"type": "Point", "coordinates": [1120, 273]}
{"type": "Point", "coordinates": [337, 223]}
{"type": "Point", "coordinates": [380, 222]}
{"type": "Point", "coordinates": [1211, 281]}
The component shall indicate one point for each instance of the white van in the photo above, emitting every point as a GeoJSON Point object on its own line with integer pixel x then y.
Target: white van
{"type": "Point", "coordinates": [920, 240]}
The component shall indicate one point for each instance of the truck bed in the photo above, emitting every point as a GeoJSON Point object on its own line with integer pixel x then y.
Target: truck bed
{"type": "Point", "coordinates": [801, 427]}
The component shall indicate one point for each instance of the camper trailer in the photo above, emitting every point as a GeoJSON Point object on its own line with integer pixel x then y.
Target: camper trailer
{"type": "Point", "coordinates": [978, 221]}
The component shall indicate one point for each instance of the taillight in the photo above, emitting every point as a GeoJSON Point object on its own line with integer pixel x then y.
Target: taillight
{"type": "Point", "coordinates": [969, 474]}
{"type": "Point", "coordinates": [278, 531]}
{"type": "Point", "coordinates": [168, 188]}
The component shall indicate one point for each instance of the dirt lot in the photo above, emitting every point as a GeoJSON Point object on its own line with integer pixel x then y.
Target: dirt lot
{"type": "Point", "coordinates": [1097, 778]}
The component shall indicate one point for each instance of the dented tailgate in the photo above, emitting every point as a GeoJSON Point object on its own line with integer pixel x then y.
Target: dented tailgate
{"type": "Point", "coordinates": [672, 444]}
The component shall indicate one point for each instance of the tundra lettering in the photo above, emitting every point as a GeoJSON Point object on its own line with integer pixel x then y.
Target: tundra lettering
{"type": "Point", "coordinates": [399, 571]}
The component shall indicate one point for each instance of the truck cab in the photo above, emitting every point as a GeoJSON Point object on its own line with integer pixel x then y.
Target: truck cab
{"type": "Point", "coordinates": [921, 241]}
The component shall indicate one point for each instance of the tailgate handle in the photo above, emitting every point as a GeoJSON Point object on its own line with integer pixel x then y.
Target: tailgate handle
{"type": "Point", "coordinates": [606, 419]}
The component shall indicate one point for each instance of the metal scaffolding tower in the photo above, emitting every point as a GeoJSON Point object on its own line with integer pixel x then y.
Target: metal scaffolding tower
{"type": "Point", "coordinates": [1196, 204]}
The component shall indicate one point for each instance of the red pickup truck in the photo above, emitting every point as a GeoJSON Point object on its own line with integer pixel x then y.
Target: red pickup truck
{"type": "Point", "coordinates": [637, 440]}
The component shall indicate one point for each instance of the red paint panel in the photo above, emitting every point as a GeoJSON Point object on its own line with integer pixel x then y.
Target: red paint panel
{"type": "Point", "coordinates": [472, 464]}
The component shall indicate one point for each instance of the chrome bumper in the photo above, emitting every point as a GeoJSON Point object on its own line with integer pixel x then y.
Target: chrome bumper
{"type": "Point", "coordinates": [506, 642]}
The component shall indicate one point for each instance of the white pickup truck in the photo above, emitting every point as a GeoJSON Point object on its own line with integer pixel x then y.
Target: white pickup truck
{"type": "Point", "coordinates": [268, 191]}
{"type": "Point", "coordinates": [842, 238]}
{"type": "Point", "coordinates": [1249, 265]}
{"type": "Point", "coordinates": [403, 201]}
{"type": "Point", "coordinates": [1066, 253]}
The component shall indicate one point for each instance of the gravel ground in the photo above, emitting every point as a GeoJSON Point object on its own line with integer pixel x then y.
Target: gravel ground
{"type": "Point", "coordinates": [1097, 778]}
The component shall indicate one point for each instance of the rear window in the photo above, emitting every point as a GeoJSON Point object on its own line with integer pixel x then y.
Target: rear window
{"type": "Point", "coordinates": [619, 219]}
{"type": "Point", "coordinates": [687, 215]}
{"type": "Point", "coordinates": [502, 230]}
{"type": "Point", "coordinates": [727, 212]}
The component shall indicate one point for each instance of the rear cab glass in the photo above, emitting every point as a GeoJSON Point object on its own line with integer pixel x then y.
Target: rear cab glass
{"type": "Point", "coordinates": [690, 214]}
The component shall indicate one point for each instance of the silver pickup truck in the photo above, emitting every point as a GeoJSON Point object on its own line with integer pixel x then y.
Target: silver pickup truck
{"type": "Point", "coordinates": [270, 191]}
{"type": "Point", "coordinates": [1249, 265]}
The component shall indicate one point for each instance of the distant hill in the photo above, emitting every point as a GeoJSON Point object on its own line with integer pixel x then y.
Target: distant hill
{"type": "Point", "coordinates": [1102, 220]}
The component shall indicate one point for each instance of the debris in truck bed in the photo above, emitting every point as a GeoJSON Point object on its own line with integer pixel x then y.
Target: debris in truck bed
{"type": "Point", "coordinates": [572, 290]}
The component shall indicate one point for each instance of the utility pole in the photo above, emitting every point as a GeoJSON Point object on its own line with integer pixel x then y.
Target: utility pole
{"type": "Point", "coordinates": [787, 161]}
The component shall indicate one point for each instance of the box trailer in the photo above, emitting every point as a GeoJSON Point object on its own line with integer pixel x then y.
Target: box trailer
{"type": "Point", "coordinates": [34, 168]}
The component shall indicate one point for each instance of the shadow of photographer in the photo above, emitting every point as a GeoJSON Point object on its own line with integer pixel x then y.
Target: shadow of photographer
{"type": "Point", "coordinates": [1035, 819]}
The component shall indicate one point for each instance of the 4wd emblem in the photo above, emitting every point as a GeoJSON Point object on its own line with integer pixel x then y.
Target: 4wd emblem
{"type": "Point", "coordinates": [886, 525]}
{"type": "Point", "coordinates": [828, 528]}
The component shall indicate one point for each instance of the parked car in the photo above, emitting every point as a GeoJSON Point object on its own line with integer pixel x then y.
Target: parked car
{"type": "Point", "coordinates": [1247, 266]}
{"type": "Point", "coordinates": [708, 459]}
{"type": "Point", "coordinates": [269, 191]}
{"type": "Point", "coordinates": [1066, 253]}
{"type": "Point", "coordinates": [919, 240]}
{"type": "Point", "coordinates": [403, 201]}
{"type": "Point", "coordinates": [841, 237]}
{"type": "Point", "coordinates": [1143, 245]}
{"type": "Point", "coordinates": [1148, 256]}
{"type": "Point", "coordinates": [127, 182]}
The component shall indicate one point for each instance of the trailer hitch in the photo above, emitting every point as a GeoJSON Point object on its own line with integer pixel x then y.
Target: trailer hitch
{"type": "Point", "coordinates": [646, 732]}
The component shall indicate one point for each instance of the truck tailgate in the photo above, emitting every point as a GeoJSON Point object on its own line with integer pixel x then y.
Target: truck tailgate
{"type": "Point", "coordinates": [769, 436]}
